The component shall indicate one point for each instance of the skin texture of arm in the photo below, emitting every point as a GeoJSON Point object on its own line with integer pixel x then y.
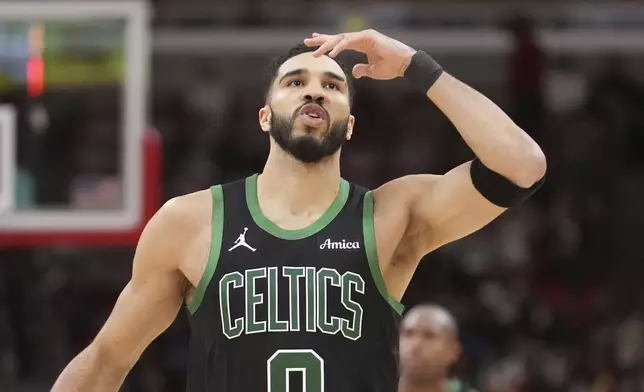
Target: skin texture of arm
{"type": "Point", "coordinates": [146, 307]}
{"type": "Point", "coordinates": [414, 215]}
{"type": "Point", "coordinates": [423, 212]}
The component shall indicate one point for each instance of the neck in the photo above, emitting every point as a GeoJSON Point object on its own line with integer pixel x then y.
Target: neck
{"type": "Point", "coordinates": [296, 188]}
{"type": "Point", "coordinates": [407, 385]}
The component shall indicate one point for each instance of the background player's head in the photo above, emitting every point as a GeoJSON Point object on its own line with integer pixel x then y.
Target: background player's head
{"type": "Point", "coordinates": [308, 104]}
{"type": "Point", "coordinates": [429, 344]}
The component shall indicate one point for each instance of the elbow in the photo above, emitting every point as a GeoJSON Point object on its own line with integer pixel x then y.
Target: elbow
{"type": "Point", "coordinates": [533, 166]}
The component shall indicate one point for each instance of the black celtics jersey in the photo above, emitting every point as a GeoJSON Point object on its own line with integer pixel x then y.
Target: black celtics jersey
{"type": "Point", "coordinates": [292, 310]}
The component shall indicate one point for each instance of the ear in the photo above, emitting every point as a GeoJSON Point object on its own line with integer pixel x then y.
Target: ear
{"type": "Point", "coordinates": [350, 125]}
{"type": "Point", "coordinates": [457, 350]}
{"type": "Point", "coordinates": [265, 116]}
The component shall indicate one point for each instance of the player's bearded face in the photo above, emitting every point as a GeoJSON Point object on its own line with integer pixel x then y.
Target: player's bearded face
{"type": "Point", "coordinates": [308, 147]}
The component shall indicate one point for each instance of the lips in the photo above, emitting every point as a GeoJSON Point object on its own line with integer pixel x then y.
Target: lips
{"type": "Point", "coordinates": [313, 111]}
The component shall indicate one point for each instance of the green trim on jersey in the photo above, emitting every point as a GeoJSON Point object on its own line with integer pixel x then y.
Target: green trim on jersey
{"type": "Point", "coordinates": [455, 385]}
{"type": "Point", "coordinates": [268, 226]}
{"type": "Point", "coordinates": [215, 246]}
{"type": "Point", "coordinates": [369, 234]}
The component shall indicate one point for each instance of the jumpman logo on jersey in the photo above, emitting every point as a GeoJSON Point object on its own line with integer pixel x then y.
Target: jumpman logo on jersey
{"type": "Point", "coordinates": [241, 241]}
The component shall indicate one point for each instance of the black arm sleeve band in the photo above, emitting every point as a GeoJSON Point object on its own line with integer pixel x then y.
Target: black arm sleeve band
{"type": "Point", "coordinates": [423, 71]}
{"type": "Point", "coordinates": [498, 189]}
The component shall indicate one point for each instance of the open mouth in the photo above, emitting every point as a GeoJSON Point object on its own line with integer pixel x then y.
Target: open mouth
{"type": "Point", "coordinates": [313, 111]}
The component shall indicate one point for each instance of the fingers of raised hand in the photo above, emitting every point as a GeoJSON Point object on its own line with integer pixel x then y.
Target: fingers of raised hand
{"type": "Point", "coordinates": [359, 41]}
{"type": "Point", "coordinates": [316, 39]}
{"type": "Point", "coordinates": [362, 70]}
{"type": "Point", "coordinates": [340, 46]}
{"type": "Point", "coordinates": [329, 45]}
{"type": "Point", "coordinates": [333, 43]}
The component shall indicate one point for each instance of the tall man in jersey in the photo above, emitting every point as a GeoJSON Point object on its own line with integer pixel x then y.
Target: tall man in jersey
{"type": "Point", "coordinates": [315, 305]}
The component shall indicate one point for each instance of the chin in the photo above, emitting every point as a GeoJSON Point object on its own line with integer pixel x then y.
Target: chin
{"type": "Point", "coordinates": [307, 143]}
{"type": "Point", "coordinates": [318, 132]}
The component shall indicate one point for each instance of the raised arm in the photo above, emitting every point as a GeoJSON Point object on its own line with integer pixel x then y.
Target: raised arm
{"type": "Point", "coordinates": [428, 211]}
{"type": "Point", "coordinates": [508, 164]}
{"type": "Point", "coordinates": [145, 308]}
{"type": "Point", "coordinates": [417, 214]}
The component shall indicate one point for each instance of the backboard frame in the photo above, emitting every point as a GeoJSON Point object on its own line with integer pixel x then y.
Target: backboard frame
{"type": "Point", "coordinates": [151, 161]}
{"type": "Point", "coordinates": [134, 109]}
{"type": "Point", "coordinates": [7, 157]}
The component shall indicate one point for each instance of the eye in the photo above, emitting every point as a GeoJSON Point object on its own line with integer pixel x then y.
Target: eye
{"type": "Point", "coordinates": [294, 82]}
{"type": "Point", "coordinates": [332, 86]}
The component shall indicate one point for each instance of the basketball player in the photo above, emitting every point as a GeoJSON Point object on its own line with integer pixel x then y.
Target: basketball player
{"type": "Point", "coordinates": [429, 347]}
{"type": "Point", "coordinates": [315, 306]}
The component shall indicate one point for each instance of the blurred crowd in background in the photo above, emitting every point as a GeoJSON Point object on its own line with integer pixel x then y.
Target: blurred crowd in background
{"type": "Point", "coordinates": [549, 297]}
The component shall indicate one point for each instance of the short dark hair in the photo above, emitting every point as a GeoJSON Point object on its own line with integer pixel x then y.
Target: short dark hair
{"type": "Point", "coordinates": [297, 50]}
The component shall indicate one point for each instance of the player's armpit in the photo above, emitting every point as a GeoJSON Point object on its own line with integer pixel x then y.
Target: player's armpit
{"type": "Point", "coordinates": [145, 308]}
{"type": "Point", "coordinates": [448, 207]}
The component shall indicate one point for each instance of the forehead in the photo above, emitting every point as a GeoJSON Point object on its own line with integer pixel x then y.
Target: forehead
{"type": "Point", "coordinates": [426, 321]}
{"type": "Point", "coordinates": [314, 65]}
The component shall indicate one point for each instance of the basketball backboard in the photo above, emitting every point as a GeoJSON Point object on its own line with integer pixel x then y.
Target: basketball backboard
{"type": "Point", "coordinates": [74, 152]}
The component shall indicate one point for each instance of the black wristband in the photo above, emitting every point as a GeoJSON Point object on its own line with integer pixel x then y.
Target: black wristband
{"type": "Point", "coordinates": [423, 71]}
{"type": "Point", "coordinates": [498, 189]}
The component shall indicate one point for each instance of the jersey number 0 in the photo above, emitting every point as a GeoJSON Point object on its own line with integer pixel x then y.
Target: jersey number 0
{"type": "Point", "coordinates": [283, 362]}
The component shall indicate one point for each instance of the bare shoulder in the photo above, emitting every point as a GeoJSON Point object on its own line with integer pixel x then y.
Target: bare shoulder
{"type": "Point", "coordinates": [189, 211]}
{"type": "Point", "coordinates": [406, 187]}
{"type": "Point", "coordinates": [392, 207]}
{"type": "Point", "coordinates": [392, 200]}
{"type": "Point", "coordinates": [398, 240]}
{"type": "Point", "coordinates": [172, 229]}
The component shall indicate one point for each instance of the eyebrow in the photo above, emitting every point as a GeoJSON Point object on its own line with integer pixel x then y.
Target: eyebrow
{"type": "Point", "coordinates": [332, 75]}
{"type": "Point", "coordinates": [301, 71]}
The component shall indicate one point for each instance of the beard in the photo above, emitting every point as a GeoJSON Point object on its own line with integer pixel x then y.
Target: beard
{"type": "Point", "coordinates": [306, 148]}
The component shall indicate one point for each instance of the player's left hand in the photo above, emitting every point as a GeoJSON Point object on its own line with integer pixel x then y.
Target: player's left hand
{"type": "Point", "coordinates": [387, 58]}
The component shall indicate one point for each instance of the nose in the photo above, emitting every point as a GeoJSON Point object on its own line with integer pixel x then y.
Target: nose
{"type": "Point", "coordinates": [415, 345]}
{"type": "Point", "coordinates": [315, 93]}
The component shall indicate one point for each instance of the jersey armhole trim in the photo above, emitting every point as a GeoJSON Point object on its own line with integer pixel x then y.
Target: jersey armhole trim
{"type": "Point", "coordinates": [215, 247]}
{"type": "Point", "coordinates": [369, 234]}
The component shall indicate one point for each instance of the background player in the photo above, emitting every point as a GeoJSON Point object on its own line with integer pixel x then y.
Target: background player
{"type": "Point", "coordinates": [298, 200]}
{"type": "Point", "coordinates": [429, 347]}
